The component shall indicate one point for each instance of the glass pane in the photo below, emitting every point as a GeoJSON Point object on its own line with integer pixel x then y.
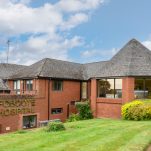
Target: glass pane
{"type": "Point", "coordinates": [118, 88]}
{"type": "Point", "coordinates": [84, 90]}
{"type": "Point", "coordinates": [109, 88]}
{"type": "Point", "coordinates": [101, 88]}
{"type": "Point", "coordinates": [148, 88]}
{"type": "Point", "coordinates": [18, 84]}
{"type": "Point", "coordinates": [29, 85]}
{"type": "Point", "coordinates": [15, 85]}
{"type": "Point", "coordinates": [139, 88]}
{"type": "Point", "coordinates": [56, 111]}
{"type": "Point", "coordinates": [57, 85]}
{"type": "Point", "coordinates": [29, 121]}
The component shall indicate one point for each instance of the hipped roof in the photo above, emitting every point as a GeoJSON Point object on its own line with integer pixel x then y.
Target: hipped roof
{"type": "Point", "coordinates": [133, 59]}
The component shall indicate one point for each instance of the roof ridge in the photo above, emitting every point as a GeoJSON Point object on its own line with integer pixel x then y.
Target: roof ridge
{"type": "Point", "coordinates": [42, 66]}
{"type": "Point", "coordinates": [13, 64]}
{"type": "Point", "coordinates": [95, 62]}
{"type": "Point", "coordinates": [64, 61]}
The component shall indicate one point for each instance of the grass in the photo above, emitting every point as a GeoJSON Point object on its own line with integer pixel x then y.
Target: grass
{"type": "Point", "coordinates": [90, 135]}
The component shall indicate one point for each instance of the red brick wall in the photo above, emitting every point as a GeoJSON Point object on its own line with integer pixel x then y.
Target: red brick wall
{"type": "Point", "coordinates": [105, 107]}
{"type": "Point", "coordinates": [93, 96]}
{"type": "Point", "coordinates": [109, 108]}
{"type": "Point", "coordinates": [60, 99]}
{"type": "Point", "coordinates": [89, 89]}
{"type": "Point", "coordinates": [128, 89]}
{"type": "Point", "coordinates": [101, 107]}
{"type": "Point", "coordinates": [9, 121]}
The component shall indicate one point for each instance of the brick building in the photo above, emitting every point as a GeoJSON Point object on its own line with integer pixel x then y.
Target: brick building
{"type": "Point", "coordinates": [48, 89]}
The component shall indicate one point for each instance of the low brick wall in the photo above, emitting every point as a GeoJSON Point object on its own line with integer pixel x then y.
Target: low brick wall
{"type": "Point", "coordinates": [109, 108]}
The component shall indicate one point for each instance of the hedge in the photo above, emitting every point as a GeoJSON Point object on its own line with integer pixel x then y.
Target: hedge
{"type": "Point", "coordinates": [137, 110]}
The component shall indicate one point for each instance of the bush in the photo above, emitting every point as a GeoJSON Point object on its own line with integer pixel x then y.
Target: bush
{"type": "Point", "coordinates": [73, 118]}
{"type": "Point", "coordinates": [55, 126]}
{"type": "Point", "coordinates": [137, 110]}
{"type": "Point", "coordinates": [20, 132]}
{"type": "Point", "coordinates": [125, 109]}
{"type": "Point", "coordinates": [84, 110]}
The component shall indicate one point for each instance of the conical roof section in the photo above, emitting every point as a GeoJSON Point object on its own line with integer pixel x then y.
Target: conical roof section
{"type": "Point", "coordinates": [133, 59]}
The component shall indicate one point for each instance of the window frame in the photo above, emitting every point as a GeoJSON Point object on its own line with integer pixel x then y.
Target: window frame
{"type": "Point", "coordinates": [84, 87]}
{"type": "Point", "coordinates": [105, 79]}
{"type": "Point", "coordinates": [28, 116]}
{"type": "Point", "coordinates": [144, 79]}
{"type": "Point", "coordinates": [16, 86]}
{"type": "Point", "coordinates": [57, 82]}
{"type": "Point", "coordinates": [30, 84]}
{"type": "Point", "coordinates": [57, 111]}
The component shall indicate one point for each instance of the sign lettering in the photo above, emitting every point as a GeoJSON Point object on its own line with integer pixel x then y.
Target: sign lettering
{"type": "Point", "coordinates": [15, 106]}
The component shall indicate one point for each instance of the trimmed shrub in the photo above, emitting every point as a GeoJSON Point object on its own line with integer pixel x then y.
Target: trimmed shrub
{"type": "Point", "coordinates": [137, 110]}
{"type": "Point", "coordinates": [73, 118]}
{"type": "Point", "coordinates": [55, 126]}
{"type": "Point", "coordinates": [84, 110]}
{"type": "Point", "coordinates": [125, 109]}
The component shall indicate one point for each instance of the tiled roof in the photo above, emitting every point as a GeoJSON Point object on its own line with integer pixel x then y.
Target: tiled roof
{"type": "Point", "coordinates": [51, 68]}
{"type": "Point", "coordinates": [7, 70]}
{"type": "Point", "coordinates": [132, 60]}
{"type": "Point", "coordinates": [3, 85]}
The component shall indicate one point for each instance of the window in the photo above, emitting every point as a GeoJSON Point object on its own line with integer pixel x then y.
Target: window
{"type": "Point", "coordinates": [1, 91]}
{"type": "Point", "coordinates": [56, 110]}
{"type": "Point", "coordinates": [110, 88]}
{"type": "Point", "coordinates": [57, 85]}
{"type": "Point", "coordinates": [30, 121]}
{"type": "Point", "coordinates": [29, 85]}
{"type": "Point", "coordinates": [17, 86]}
{"type": "Point", "coordinates": [142, 88]}
{"type": "Point", "coordinates": [7, 91]}
{"type": "Point", "coordinates": [102, 86]}
{"type": "Point", "coordinates": [118, 88]}
{"type": "Point", "coordinates": [84, 90]}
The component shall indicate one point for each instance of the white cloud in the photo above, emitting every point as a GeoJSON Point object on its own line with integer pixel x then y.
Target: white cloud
{"type": "Point", "coordinates": [75, 20]}
{"type": "Point", "coordinates": [98, 54]}
{"type": "Point", "coordinates": [40, 47]}
{"type": "Point", "coordinates": [147, 43]}
{"type": "Point", "coordinates": [47, 25]}
{"type": "Point", "coordinates": [78, 5]}
{"type": "Point", "coordinates": [20, 19]}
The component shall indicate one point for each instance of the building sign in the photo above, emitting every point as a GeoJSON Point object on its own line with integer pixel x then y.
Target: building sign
{"type": "Point", "coordinates": [15, 105]}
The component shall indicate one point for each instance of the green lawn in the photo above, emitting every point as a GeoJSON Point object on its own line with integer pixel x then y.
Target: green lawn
{"type": "Point", "coordinates": [90, 135]}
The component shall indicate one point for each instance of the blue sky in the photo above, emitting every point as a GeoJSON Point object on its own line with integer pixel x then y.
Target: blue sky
{"type": "Point", "coordinates": [74, 30]}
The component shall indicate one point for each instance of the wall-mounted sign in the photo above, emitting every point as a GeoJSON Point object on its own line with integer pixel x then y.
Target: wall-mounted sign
{"type": "Point", "coordinates": [16, 105]}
